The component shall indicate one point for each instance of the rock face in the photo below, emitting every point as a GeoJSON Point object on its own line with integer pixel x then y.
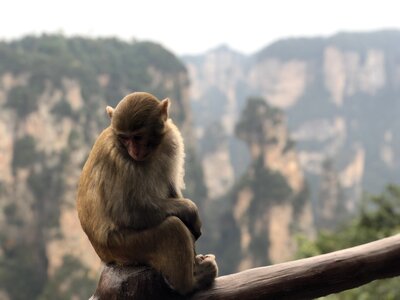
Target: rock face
{"type": "Point", "coordinates": [53, 94]}
{"type": "Point", "coordinates": [340, 96]}
{"type": "Point", "coordinates": [216, 103]}
{"type": "Point", "coordinates": [269, 205]}
{"type": "Point", "coordinates": [284, 204]}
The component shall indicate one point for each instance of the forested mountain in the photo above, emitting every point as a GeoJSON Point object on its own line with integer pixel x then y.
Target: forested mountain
{"type": "Point", "coordinates": [53, 94]}
{"type": "Point", "coordinates": [288, 138]}
{"type": "Point", "coordinates": [259, 218]}
{"type": "Point", "coordinates": [341, 98]}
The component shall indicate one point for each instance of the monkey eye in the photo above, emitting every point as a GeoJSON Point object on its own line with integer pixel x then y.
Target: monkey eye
{"type": "Point", "coordinates": [123, 137]}
{"type": "Point", "coordinates": [137, 138]}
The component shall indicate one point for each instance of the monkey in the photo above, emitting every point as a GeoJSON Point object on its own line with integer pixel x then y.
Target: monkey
{"type": "Point", "coordinates": [129, 197]}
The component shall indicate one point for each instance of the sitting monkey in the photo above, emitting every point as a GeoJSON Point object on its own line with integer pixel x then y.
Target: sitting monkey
{"type": "Point", "coordinates": [129, 197]}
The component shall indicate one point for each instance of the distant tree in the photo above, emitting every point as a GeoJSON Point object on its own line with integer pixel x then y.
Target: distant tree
{"type": "Point", "coordinates": [25, 153]}
{"type": "Point", "coordinates": [70, 281]}
{"type": "Point", "coordinates": [22, 101]}
{"type": "Point", "coordinates": [331, 207]}
{"type": "Point", "coordinates": [378, 217]}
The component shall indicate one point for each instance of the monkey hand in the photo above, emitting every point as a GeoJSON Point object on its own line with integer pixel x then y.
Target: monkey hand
{"type": "Point", "coordinates": [192, 219]}
{"type": "Point", "coordinates": [187, 211]}
{"type": "Point", "coordinates": [195, 227]}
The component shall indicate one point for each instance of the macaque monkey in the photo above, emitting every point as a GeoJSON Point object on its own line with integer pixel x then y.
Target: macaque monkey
{"type": "Point", "coordinates": [129, 199]}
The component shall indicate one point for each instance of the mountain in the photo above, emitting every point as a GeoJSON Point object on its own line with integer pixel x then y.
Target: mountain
{"type": "Point", "coordinates": [53, 94]}
{"type": "Point", "coordinates": [304, 118]}
{"type": "Point", "coordinates": [341, 98]}
{"type": "Point", "coordinates": [269, 205]}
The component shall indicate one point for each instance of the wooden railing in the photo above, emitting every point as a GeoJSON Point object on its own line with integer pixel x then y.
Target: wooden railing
{"type": "Point", "coordinates": [301, 279]}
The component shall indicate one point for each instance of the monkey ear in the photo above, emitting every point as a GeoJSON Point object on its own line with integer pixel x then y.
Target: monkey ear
{"type": "Point", "coordinates": [165, 108]}
{"type": "Point", "coordinates": [109, 111]}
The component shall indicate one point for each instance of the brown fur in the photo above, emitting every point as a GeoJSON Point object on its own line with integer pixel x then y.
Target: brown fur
{"type": "Point", "coordinates": [133, 211]}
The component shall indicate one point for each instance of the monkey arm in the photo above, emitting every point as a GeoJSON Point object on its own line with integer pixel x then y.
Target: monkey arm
{"type": "Point", "coordinates": [149, 214]}
{"type": "Point", "coordinates": [186, 210]}
{"type": "Point", "coordinates": [174, 192]}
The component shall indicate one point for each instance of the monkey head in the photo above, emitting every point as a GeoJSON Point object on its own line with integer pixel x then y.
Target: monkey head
{"type": "Point", "coordinates": [138, 122]}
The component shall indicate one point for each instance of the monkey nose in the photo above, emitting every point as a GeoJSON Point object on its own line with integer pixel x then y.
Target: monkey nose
{"type": "Point", "coordinates": [137, 154]}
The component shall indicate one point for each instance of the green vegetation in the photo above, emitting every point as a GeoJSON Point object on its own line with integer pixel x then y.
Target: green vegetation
{"type": "Point", "coordinates": [268, 186]}
{"type": "Point", "coordinates": [23, 267]}
{"type": "Point", "coordinates": [63, 109]}
{"type": "Point", "coordinates": [256, 113]}
{"type": "Point", "coordinates": [313, 48]}
{"type": "Point", "coordinates": [25, 278]}
{"type": "Point", "coordinates": [23, 273]}
{"type": "Point", "coordinates": [70, 281]}
{"type": "Point", "coordinates": [22, 100]}
{"type": "Point", "coordinates": [12, 216]}
{"type": "Point", "coordinates": [362, 41]}
{"type": "Point", "coordinates": [74, 139]}
{"type": "Point", "coordinates": [258, 124]}
{"type": "Point", "coordinates": [378, 217]}
{"type": "Point", "coordinates": [294, 48]}
{"type": "Point", "coordinates": [54, 57]}
{"type": "Point", "coordinates": [47, 187]}
{"type": "Point", "coordinates": [25, 153]}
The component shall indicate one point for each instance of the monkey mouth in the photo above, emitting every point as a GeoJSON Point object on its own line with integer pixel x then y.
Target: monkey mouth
{"type": "Point", "coordinates": [136, 158]}
{"type": "Point", "coordinates": [139, 157]}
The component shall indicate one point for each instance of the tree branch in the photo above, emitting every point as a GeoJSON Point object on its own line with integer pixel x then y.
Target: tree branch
{"type": "Point", "coordinates": [302, 279]}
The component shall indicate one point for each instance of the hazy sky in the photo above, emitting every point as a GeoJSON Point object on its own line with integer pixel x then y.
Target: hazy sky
{"type": "Point", "coordinates": [191, 27]}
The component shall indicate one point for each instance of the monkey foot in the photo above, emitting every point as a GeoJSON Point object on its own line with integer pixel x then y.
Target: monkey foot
{"type": "Point", "coordinates": [205, 269]}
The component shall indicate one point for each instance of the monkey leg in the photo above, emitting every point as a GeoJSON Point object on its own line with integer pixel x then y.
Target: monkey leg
{"type": "Point", "coordinates": [175, 255]}
{"type": "Point", "coordinates": [168, 248]}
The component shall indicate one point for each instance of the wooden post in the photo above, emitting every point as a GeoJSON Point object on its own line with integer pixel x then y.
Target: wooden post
{"type": "Point", "coordinates": [301, 279]}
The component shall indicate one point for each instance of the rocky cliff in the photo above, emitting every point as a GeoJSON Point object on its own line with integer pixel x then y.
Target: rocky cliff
{"type": "Point", "coordinates": [274, 185]}
{"type": "Point", "coordinates": [340, 95]}
{"type": "Point", "coordinates": [269, 205]}
{"type": "Point", "coordinates": [53, 94]}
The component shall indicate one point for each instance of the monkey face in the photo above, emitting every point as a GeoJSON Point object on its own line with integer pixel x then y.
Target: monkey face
{"type": "Point", "coordinates": [136, 144]}
{"type": "Point", "coordinates": [138, 122]}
